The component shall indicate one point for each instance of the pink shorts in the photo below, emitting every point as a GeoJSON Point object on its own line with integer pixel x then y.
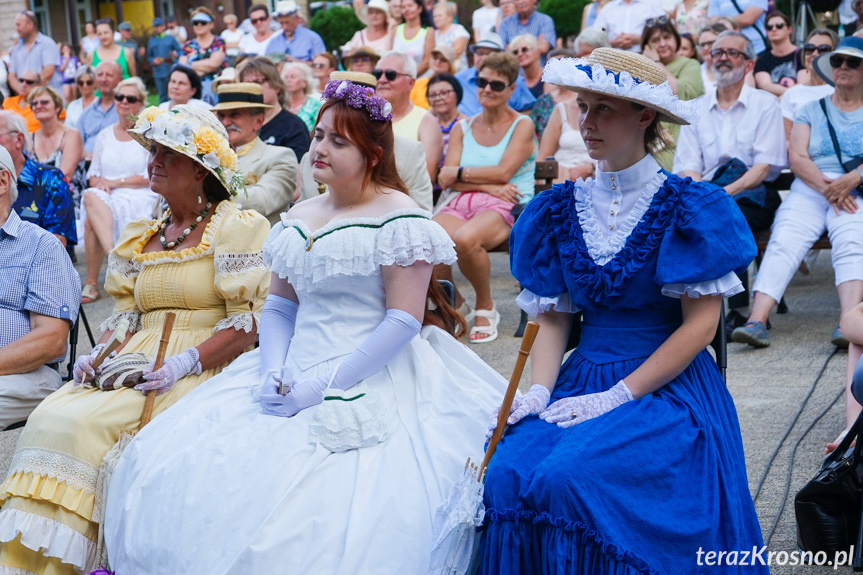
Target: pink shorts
{"type": "Point", "coordinates": [470, 204]}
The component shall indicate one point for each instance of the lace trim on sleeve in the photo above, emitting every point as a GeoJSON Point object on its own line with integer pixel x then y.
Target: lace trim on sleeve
{"type": "Point", "coordinates": [534, 304]}
{"type": "Point", "coordinates": [239, 321]}
{"type": "Point", "coordinates": [726, 286]}
{"type": "Point", "coordinates": [114, 320]}
{"type": "Point", "coordinates": [122, 267]}
{"type": "Point", "coordinates": [234, 264]}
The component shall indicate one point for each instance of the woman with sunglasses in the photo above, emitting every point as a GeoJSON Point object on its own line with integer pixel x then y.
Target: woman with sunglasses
{"type": "Point", "coordinates": [119, 189]}
{"type": "Point", "coordinates": [525, 48]}
{"type": "Point", "coordinates": [85, 79]}
{"type": "Point", "coordinates": [415, 37]}
{"type": "Point", "coordinates": [813, 87]}
{"type": "Point", "coordinates": [205, 53]}
{"type": "Point", "coordinates": [777, 69]}
{"type": "Point", "coordinates": [323, 65]}
{"type": "Point", "coordinates": [626, 457]}
{"type": "Point", "coordinates": [110, 50]}
{"type": "Point", "coordinates": [184, 87]}
{"type": "Point", "coordinates": [489, 166]}
{"type": "Point", "coordinates": [54, 143]}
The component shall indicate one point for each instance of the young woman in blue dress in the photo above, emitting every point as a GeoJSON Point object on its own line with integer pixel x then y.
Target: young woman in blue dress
{"type": "Point", "coordinates": [627, 458]}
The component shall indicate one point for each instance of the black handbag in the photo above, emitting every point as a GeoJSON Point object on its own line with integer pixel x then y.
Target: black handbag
{"type": "Point", "coordinates": [829, 508]}
{"type": "Point", "coordinates": [849, 165]}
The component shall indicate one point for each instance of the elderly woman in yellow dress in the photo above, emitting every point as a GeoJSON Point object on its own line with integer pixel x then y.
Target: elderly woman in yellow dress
{"type": "Point", "coordinates": [202, 261]}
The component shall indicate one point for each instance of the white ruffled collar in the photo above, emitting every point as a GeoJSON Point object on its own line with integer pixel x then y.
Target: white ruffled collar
{"type": "Point", "coordinates": [366, 221]}
{"type": "Point", "coordinates": [634, 177]}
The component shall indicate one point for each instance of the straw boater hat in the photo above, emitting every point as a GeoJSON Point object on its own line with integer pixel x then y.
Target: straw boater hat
{"type": "Point", "coordinates": [623, 75]}
{"type": "Point", "coordinates": [195, 133]}
{"type": "Point", "coordinates": [356, 77]}
{"type": "Point", "coordinates": [239, 95]}
{"type": "Point", "coordinates": [849, 46]}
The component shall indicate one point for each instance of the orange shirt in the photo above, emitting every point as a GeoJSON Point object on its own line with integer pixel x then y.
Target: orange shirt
{"type": "Point", "coordinates": [12, 104]}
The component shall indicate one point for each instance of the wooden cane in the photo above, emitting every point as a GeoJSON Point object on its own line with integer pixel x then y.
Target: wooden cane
{"type": "Point", "coordinates": [147, 414]}
{"type": "Point", "coordinates": [526, 343]}
{"type": "Point", "coordinates": [116, 341]}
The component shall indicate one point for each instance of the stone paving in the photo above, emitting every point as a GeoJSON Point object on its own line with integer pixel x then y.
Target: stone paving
{"type": "Point", "coordinates": [768, 387]}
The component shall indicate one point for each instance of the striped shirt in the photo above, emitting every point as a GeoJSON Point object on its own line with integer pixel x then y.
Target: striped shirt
{"type": "Point", "coordinates": [36, 276]}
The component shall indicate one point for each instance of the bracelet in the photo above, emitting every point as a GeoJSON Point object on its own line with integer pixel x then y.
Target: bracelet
{"type": "Point", "coordinates": [467, 175]}
{"type": "Point", "coordinates": [458, 176]}
{"type": "Point", "coordinates": [860, 171]}
{"type": "Point", "coordinates": [122, 181]}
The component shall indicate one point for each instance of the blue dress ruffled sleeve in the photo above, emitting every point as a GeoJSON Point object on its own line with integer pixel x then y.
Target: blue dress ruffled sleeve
{"type": "Point", "coordinates": [534, 257]}
{"type": "Point", "coordinates": [708, 237]}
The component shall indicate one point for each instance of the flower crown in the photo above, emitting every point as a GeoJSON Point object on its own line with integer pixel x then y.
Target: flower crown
{"type": "Point", "coordinates": [191, 136]}
{"type": "Point", "coordinates": [361, 98]}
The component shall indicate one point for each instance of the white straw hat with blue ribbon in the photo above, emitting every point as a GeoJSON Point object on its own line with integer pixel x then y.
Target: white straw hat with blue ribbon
{"type": "Point", "coordinates": [625, 75]}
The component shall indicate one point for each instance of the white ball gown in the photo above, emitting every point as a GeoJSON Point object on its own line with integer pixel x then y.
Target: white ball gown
{"type": "Point", "coordinates": [349, 486]}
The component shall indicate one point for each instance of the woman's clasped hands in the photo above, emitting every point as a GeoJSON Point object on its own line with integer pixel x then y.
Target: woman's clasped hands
{"type": "Point", "coordinates": [838, 191]}
{"type": "Point", "coordinates": [302, 394]}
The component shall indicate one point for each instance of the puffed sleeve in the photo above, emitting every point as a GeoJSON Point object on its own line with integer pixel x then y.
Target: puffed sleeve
{"type": "Point", "coordinates": [708, 239]}
{"type": "Point", "coordinates": [534, 257]}
{"type": "Point", "coordinates": [242, 278]}
{"type": "Point", "coordinates": [121, 276]}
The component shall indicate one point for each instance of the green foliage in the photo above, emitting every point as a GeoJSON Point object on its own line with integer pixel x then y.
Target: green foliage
{"type": "Point", "coordinates": [336, 25]}
{"type": "Point", "coordinates": [566, 15]}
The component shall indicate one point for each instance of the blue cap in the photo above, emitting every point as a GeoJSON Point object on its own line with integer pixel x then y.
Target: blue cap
{"type": "Point", "coordinates": [158, 22]}
{"type": "Point", "coordinates": [849, 46]}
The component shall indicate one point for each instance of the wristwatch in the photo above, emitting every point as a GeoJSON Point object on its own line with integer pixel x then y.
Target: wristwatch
{"type": "Point", "coordinates": [860, 171]}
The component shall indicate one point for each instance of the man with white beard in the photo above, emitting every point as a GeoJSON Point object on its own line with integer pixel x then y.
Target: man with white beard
{"type": "Point", "coordinates": [739, 145]}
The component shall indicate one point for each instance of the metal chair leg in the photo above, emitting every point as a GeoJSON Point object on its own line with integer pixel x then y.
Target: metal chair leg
{"type": "Point", "coordinates": [522, 324]}
{"type": "Point", "coordinates": [83, 317]}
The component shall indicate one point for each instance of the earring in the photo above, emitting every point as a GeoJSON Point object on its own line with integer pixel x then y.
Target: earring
{"type": "Point", "coordinates": [199, 199]}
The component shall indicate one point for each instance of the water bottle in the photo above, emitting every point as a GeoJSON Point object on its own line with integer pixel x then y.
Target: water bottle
{"type": "Point", "coordinates": [841, 31]}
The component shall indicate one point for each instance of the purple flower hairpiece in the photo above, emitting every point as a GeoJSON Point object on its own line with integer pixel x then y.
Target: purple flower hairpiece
{"type": "Point", "coordinates": [361, 98]}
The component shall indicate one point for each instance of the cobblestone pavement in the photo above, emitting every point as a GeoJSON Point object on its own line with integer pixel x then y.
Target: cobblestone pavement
{"type": "Point", "coordinates": [768, 387]}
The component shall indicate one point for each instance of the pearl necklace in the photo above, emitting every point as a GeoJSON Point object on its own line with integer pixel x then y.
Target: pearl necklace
{"type": "Point", "coordinates": [170, 245]}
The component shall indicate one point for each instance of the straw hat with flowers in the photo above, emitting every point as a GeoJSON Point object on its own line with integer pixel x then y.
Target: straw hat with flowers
{"type": "Point", "coordinates": [623, 75]}
{"type": "Point", "coordinates": [195, 133]}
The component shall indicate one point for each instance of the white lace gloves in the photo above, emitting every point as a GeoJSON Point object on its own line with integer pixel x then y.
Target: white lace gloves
{"type": "Point", "coordinates": [173, 369]}
{"type": "Point", "coordinates": [532, 403]}
{"type": "Point", "coordinates": [396, 330]}
{"type": "Point", "coordinates": [83, 371]}
{"type": "Point", "coordinates": [571, 411]}
{"type": "Point", "coordinates": [278, 320]}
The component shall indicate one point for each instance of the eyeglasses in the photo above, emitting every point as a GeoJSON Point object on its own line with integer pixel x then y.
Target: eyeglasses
{"type": "Point", "coordinates": [85, 82]}
{"type": "Point", "coordinates": [390, 75]}
{"type": "Point", "coordinates": [821, 49]}
{"type": "Point", "coordinates": [40, 103]}
{"type": "Point", "coordinates": [730, 52]}
{"type": "Point", "coordinates": [836, 61]}
{"type": "Point", "coordinates": [27, 81]}
{"type": "Point", "coordinates": [656, 21]}
{"type": "Point", "coordinates": [258, 81]}
{"type": "Point", "coordinates": [441, 95]}
{"type": "Point", "coordinates": [258, 20]}
{"type": "Point", "coordinates": [495, 85]}
{"type": "Point", "coordinates": [318, 66]}
{"type": "Point", "coordinates": [522, 50]}
{"type": "Point", "coordinates": [777, 26]}
{"type": "Point", "coordinates": [130, 99]}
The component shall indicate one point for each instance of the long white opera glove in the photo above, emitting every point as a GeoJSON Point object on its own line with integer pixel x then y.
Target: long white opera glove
{"type": "Point", "coordinates": [532, 403]}
{"type": "Point", "coordinates": [574, 410]}
{"type": "Point", "coordinates": [278, 321]}
{"type": "Point", "coordinates": [173, 369]}
{"type": "Point", "coordinates": [83, 371]}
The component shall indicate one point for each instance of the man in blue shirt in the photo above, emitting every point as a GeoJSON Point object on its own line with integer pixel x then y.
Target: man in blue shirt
{"type": "Point", "coordinates": [34, 51]}
{"type": "Point", "coordinates": [521, 100]}
{"type": "Point", "coordinates": [527, 20]}
{"type": "Point", "coordinates": [750, 18]}
{"type": "Point", "coordinates": [296, 41]}
{"type": "Point", "coordinates": [162, 51]}
{"type": "Point", "coordinates": [40, 297]}
{"type": "Point", "coordinates": [101, 113]}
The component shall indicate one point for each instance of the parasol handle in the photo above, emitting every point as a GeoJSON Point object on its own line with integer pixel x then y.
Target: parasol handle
{"type": "Point", "coordinates": [526, 343]}
{"type": "Point", "coordinates": [116, 341]}
{"type": "Point", "coordinates": [150, 401]}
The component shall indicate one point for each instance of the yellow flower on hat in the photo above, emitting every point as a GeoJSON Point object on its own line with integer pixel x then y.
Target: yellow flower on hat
{"type": "Point", "coordinates": [226, 156]}
{"type": "Point", "coordinates": [150, 113]}
{"type": "Point", "coordinates": [207, 140]}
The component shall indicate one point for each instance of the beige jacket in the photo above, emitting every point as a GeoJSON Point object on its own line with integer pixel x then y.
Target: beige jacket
{"type": "Point", "coordinates": [410, 163]}
{"type": "Point", "coordinates": [271, 179]}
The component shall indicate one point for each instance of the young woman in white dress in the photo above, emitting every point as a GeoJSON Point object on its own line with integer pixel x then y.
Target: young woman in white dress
{"type": "Point", "coordinates": [342, 474]}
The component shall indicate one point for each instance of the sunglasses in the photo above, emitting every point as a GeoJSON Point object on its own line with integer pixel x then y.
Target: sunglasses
{"type": "Point", "coordinates": [130, 99]}
{"type": "Point", "coordinates": [656, 21]}
{"type": "Point", "coordinates": [258, 20]}
{"type": "Point", "coordinates": [361, 59]}
{"type": "Point", "coordinates": [522, 50]}
{"type": "Point", "coordinates": [836, 61]}
{"type": "Point", "coordinates": [390, 75]}
{"type": "Point", "coordinates": [777, 26]}
{"type": "Point", "coordinates": [26, 81]}
{"type": "Point", "coordinates": [199, 23]}
{"type": "Point", "coordinates": [496, 85]}
{"type": "Point", "coordinates": [730, 52]}
{"type": "Point", "coordinates": [318, 66]}
{"type": "Point", "coordinates": [821, 49]}
{"type": "Point", "coordinates": [85, 82]}
{"type": "Point", "coordinates": [40, 103]}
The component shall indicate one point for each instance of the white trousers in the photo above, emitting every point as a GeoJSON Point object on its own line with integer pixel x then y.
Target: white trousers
{"type": "Point", "coordinates": [800, 220]}
{"type": "Point", "coordinates": [20, 393]}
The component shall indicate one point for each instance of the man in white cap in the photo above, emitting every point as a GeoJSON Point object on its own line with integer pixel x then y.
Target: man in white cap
{"type": "Point", "coordinates": [298, 43]}
{"type": "Point", "coordinates": [41, 291]}
{"type": "Point", "coordinates": [271, 171]}
{"type": "Point", "coordinates": [520, 101]}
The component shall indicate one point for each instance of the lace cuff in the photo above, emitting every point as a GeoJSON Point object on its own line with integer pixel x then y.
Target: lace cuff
{"type": "Point", "coordinates": [237, 264]}
{"type": "Point", "coordinates": [122, 267]}
{"type": "Point", "coordinates": [114, 320]}
{"type": "Point", "coordinates": [534, 304]}
{"type": "Point", "coordinates": [726, 286]}
{"type": "Point", "coordinates": [239, 321]}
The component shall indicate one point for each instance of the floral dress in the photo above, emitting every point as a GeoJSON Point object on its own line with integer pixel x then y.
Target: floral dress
{"type": "Point", "coordinates": [192, 49]}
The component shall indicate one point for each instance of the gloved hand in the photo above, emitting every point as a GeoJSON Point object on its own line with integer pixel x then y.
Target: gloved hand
{"type": "Point", "coordinates": [173, 369]}
{"type": "Point", "coordinates": [83, 371]}
{"type": "Point", "coordinates": [574, 410]}
{"type": "Point", "coordinates": [533, 402]}
{"type": "Point", "coordinates": [303, 394]}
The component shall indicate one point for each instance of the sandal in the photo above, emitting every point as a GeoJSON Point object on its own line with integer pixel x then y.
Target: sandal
{"type": "Point", "coordinates": [466, 312]}
{"type": "Point", "coordinates": [493, 317]}
{"type": "Point", "coordinates": [90, 293]}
